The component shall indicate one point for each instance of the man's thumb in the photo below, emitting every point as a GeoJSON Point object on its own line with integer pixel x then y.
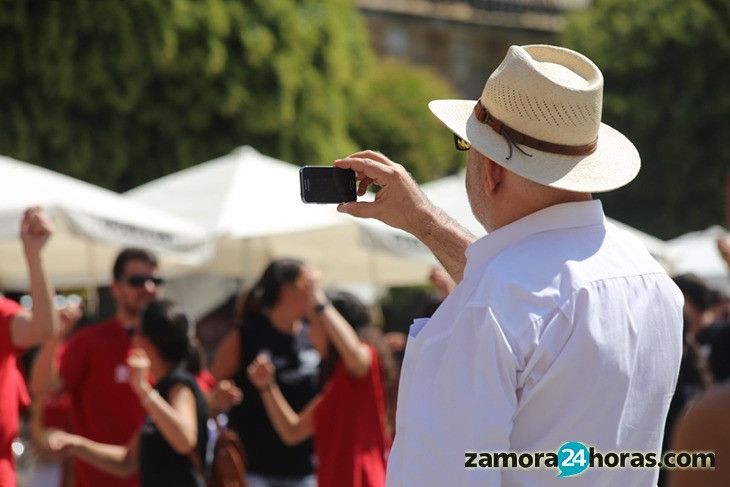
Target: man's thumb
{"type": "Point", "coordinates": [362, 209]}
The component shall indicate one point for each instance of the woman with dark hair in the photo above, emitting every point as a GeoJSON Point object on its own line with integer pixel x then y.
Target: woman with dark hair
{"type": "Point", "coordinates": [348, 419]}
{"type": "Point", "coordinates": [174, 433]}
{"type": "Point", "coordinates": [271, 321]}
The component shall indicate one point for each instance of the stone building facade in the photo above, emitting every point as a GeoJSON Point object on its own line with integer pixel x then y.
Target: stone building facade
{"type": "Point", "coordinates": [462, 40]}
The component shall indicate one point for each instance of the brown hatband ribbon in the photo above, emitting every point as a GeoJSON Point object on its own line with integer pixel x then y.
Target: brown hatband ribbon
{"type": "Point", "coordinates": [517, 138]}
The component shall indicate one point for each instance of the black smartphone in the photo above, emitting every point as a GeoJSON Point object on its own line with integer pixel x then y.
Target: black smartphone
{"type": "Point", "coordinates": [320, 184]}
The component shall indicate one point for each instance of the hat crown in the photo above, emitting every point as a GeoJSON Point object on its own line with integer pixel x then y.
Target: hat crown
{"type": "Point", "coordinates": [549, 93]}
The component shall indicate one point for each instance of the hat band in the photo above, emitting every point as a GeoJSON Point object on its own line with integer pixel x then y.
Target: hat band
{"type": "Point", "coordinates": [516, 137]}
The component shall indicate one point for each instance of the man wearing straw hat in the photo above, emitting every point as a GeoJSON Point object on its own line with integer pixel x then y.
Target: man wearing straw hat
{"type": "Point", "coordinates": [562, 328]}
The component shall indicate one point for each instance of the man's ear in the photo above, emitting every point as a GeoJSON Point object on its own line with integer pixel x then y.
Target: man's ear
{"type": "Point", "coordinates": [493, 175]}
{"type": "Point", "coordinates": [114, 288]}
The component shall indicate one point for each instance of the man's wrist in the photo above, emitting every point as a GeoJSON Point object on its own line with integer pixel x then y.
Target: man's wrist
{"type": "Point", "coordinates": [425, 220]}
{"type": "Point", "coordinates": [267, 388]}
{"type": "Point", "coordinates": [32, 254]}
{"type": "Point", "coordinates": [149, 396]}
{"type": "Point", "coordinates": [320, 306]}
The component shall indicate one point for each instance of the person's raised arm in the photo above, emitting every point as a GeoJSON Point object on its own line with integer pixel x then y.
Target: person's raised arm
{"type": "Point", "coordinates": [292, 428]}
{"type": "Point", "coordinates": [30, 329]}
{"type": "Point", "coordinates": [118, 460]}
{"type": "Point", "coordinates": [177, 420]}
{"type": "Point", "coordinates": [354, 353]}
{"type": "Point", "coordinates": [400, 203]}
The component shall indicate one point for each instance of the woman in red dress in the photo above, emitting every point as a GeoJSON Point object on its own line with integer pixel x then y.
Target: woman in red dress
{"type": "Point", "coordinates": [348, 418]}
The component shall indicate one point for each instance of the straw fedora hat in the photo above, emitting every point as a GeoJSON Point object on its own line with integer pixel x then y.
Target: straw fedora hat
{"type": "Point", "coordinates": [540, 117]}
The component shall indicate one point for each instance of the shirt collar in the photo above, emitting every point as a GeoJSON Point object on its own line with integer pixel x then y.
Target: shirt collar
{"type": "Point", "coordinates": [564, 215]}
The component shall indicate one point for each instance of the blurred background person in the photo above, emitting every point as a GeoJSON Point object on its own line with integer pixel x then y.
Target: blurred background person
{"type": "Point", "coordinates": [21, 329]}
{"type": "Point", "coordinates": [272, 322]}
{"type": "Point", "coordinates": [92, 366]}
{"type": "Point", "coordinates": [716, 336]}
{"type": "Point", "coordinates": [705, 428]}
{"type": "Point", "coordinates": [51, 410]}
{"type": "Point", "coordinates": [694, 371]}
{"type": "Point", "coordinates": [348, 419]}
{"type": "Point", "coordinates": [424, 307]}
{"type": "Point", "coordinates": [174, 432]}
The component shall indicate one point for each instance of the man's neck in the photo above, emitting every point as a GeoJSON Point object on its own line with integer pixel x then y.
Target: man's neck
{"type": "Point", "coordinates": [524, 207]}
{"type": "Point", "coordinates": [127, 320]}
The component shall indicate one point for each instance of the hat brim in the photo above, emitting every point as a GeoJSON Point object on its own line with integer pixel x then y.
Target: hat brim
{"type": "Point", "coordinates": [614, 163]}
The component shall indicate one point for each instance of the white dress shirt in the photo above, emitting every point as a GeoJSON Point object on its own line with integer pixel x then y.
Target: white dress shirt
{"type": "Point", "coordinates": [563, 329]}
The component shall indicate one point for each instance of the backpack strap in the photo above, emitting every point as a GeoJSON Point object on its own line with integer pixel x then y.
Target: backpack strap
{"type": "Point", "coordinates": [197, 463]}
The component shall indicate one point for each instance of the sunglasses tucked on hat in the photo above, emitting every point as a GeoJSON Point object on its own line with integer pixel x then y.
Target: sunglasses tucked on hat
{"type": "Point", "coordinates": [539, 116]}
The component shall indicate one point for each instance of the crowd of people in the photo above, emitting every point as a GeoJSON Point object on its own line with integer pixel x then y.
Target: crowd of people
{"type": "Point", "coordinates": [553, 329]}
{"type": "Point", "coordinates": [134, 400]}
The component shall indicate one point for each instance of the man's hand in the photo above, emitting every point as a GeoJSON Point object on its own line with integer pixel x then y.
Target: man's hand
{"type": "Point", "coordinates": [224, 396]}
{"type": "Point", "coordinates": [723, 246]}
{"type": "Point", "coordinates": [35, 230]}
{"type": "Point", "coordinates": [70, 315]}
{"type": "Point", "coordinates": [312, 285]}
{"type": "Point", "coordinates": [400, 203]}
{"type": "Point", "coordinates": [395, 340]}
{"type": "Point", "coordinates": [58, 441]}
{"type": "Point", "coordinates": [139, 366]}
{"type": "Point", "coordinates": [261, 371]}
{"type": "Point", "coordinates": [443, 282]}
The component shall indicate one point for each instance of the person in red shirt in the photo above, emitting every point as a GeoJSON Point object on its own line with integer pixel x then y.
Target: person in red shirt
{"type": "Point", "coordinates": [173, 439]}
{"type": "Point", "coordinates": [348, 418]}
{"type": "Point", "coordinates": [92, 366]}
{"type": "Point", "coordinates": [21, 329]}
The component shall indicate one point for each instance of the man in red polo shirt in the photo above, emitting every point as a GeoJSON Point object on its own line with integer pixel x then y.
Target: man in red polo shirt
{"type": "Point", "coordinates": [21, 329]}
{"type": "Point", "coordinates": [92, 366]}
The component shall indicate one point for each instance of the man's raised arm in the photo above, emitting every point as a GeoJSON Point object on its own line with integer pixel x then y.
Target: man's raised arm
{"type": "Point", "coordinates": [400, 203]}
{"type": "Point", "coordinates": [29, 329]}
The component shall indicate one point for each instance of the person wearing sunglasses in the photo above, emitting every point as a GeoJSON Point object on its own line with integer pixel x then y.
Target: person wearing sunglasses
{"type": "Point", "coordinates": [92, 365]}
{"type": "Point", "coordinates": [169, 448]}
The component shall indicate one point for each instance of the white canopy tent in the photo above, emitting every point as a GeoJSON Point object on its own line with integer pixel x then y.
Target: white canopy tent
{"type": "Point", "coordinates": [696, 252]}
{"type": "Point", "coordinates": [92, 224]}
{"type": "Point", "coordinates": [251, 205]}
{"type": "Point", "coordinates": [449, 193]}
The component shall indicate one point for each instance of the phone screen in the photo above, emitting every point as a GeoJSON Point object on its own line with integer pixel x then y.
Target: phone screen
{"type": "Point", "coordinates": [327, 184]}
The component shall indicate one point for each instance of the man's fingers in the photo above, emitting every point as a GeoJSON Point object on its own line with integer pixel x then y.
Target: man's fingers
{"type": "Point", "coordinates": [365, 183]}
{"type": "Point", "coordinates": [367, 168]}
{"type": "Point", "coordinates": [374, 155]}
{"type": "Point", "coordinates": [363, 209]}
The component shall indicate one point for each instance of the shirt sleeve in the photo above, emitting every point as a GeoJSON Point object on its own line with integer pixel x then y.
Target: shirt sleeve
{"type": "Point", "coordinates": [8, 310]}
{"type": "Point", "coordinates": [493, 373]}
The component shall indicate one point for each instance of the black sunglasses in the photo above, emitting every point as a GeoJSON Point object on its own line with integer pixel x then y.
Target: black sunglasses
{"type": "Point", "coordinates": [461, 144]}
{"type": "Point", "coordinates": [139, 281]}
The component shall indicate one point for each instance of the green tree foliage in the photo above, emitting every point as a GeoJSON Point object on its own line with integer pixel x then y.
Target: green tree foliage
{"type": "Point", "coordinates": [666, 87]}
{"type": "Point", "coordinates": [119, 92]}
{"type": "Point", "coordinates": [392, 116]}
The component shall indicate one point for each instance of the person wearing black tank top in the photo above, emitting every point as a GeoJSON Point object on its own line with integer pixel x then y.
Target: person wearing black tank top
{"type": "Point", "coordinates": [175, 429]}
{"type": "Point", "coordinates": [271, 323]}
